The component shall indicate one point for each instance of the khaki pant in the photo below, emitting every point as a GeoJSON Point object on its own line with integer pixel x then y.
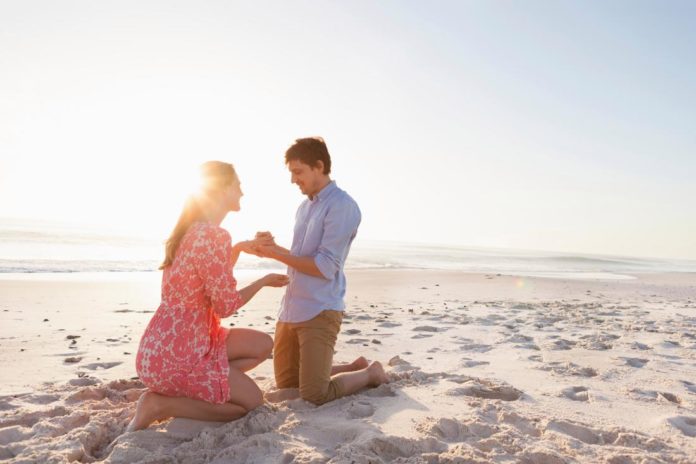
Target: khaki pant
{"type": "Point", "coordinates": [303, 356]}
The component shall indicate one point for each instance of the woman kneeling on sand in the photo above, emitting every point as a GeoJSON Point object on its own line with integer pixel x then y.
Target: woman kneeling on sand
{"type": "Point", "coordinates": [192, 366]}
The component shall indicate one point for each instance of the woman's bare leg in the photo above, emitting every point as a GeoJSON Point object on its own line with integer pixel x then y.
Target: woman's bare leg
{"type": "Point", "coordinates": [153, 407]}
{"type": "Point", "coordinates": [359, 363]}
{"type": "Point", "coordinates": [245, 395]}
{"type": "Point", "coordinates": [247, 348]}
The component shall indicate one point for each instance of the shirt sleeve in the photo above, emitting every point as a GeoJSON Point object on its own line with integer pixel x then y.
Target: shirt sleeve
{"type": "Point", "coordinates": [214, 266]}
{"type": "Point", "coordinates": [340, 228]}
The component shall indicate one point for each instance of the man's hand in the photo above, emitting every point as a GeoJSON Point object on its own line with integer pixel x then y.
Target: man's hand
{"type": "Point", "coordinates": [266, 244]}
{"type": "Point", "coordinates": [252, 246]}
{"type": "Point", "coordinates": [270, 251]}
{"type": "Point", "coordinates": [266, 237]}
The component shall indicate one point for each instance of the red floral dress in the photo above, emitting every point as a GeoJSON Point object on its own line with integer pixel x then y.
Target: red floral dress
{"type": "Point", "coordinates": [183, 351]}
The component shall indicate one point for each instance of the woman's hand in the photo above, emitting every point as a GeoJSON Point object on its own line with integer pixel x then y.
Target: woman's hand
{"type": "Point", "coordinates": [275, 280]}
{"type": "Point", "coordinates": [253, 247]}
{"type": "Point", "coordinates": [247, 246]}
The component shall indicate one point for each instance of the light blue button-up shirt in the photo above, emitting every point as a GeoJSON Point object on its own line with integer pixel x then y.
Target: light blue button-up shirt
{"type": "Point", "coordinates": [325, 227]}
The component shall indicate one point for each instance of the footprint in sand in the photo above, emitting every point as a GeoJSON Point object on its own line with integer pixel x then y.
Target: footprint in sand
{"type": "Point", "coordinates": [473, 363]}
{"type": "Point", "coordinates": [596, 345]}
{"type": "Point", "coordinates": [652, 395]}
{"type": "Point", "coordinates": [670, 344]}
{"type": "Point", "coordinates": [576, 393]}
{"type": "Point", "coordinates": [523, 306]}
{"type": "Point", "coordinates": [584, 434]}
{"type": "Point", "coordinates": [477, 347]}
{"type": "Point", "coordinates": [383, 391]}
{"type": "Point", "coordinates": [689, 386]}
{"type": "Point", "coordinates": [351, 332]}
{"type": "Point", "coordinates": [123, 385]}
{"type": "Point", "coordinates": [426, 328]}
{"type": "Point", "coordinates": [397, 361]}
{"type": "Point", "coordinates": [31, 418]}
{"type": "Point", "coordinates": [87, 394]}
{"type": "Point", "coordinates": [448, 429]}
{"type": "Point", "coordinates": [388, 325]}
{"type": "Point", "coordinates": [519, 338]}
{"type": "Point", "coordinates": [528, 346]}
{"type": "Point", "coordinates": [453, 430]}
{"type": "Point", "coordinates": [671, 397]}
{"type": "Point", "coordinates": [540, 457]}
{"type": "Point", "coordinates": [685, 424]}
{"type": "Point", "coordinates": [562, 344]}
{"type": "Point", "coordinates": [486, 390]}
{"type": "Point", "coordinates": [83, 382]}
{"type": "Point", "coordinates": [6, 404]}
{"type": "Point", "coordinates": [14, 434]}
{"type": "Point", "coordinates": [360, 409]}
{"type": "Point", "coordinates": [640, 346]}
{"type": "Point", "coordinates": [42, 399]}
{"type": "Point", "coordinates": [569, 368]}
{"type": "Point", "coordinates": [101, 365]}
{"type": "Point", "coordinates": [527, 426]}
{"type": "Point", "coordinates": [356, 341]}
{"type": "Point", "coordinates": [635, 362]}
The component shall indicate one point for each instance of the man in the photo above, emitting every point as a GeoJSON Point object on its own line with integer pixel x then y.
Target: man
{"type": "Point", "coordinates": [312, 309]}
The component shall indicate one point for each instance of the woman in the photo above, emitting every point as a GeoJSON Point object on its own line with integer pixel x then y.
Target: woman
{"type": "Point", "coordinates": [191, 365]}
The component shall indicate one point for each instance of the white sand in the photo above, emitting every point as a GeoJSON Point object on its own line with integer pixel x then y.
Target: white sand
{"type": "Point", "coordinates": [484, 368]}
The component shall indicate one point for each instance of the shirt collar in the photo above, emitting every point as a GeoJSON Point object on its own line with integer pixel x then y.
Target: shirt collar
{"type": "Point", "coordinates": [325, 192]}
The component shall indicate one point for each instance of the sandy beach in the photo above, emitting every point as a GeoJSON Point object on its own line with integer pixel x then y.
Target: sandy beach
{"type": "Point", "coordinates": [483, 368]}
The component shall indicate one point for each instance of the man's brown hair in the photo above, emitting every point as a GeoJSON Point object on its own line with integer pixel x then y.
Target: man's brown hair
{"type": "Point", "coordinates": [310, 150]}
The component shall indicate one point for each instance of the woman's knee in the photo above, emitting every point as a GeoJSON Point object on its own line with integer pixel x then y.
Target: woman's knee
{"type": "Point", "coordinates": [266, 346]}
{"type": "Point", "coordinates": [244, 391]}
{"type": "Point", "coordinates": [253, 400]}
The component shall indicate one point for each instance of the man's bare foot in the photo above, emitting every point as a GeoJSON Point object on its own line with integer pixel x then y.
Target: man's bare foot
{"type": "Point", "coordinates": [377, 374]}
{"type": "Point", "coordinates": [359, 363]}
{"type": "Point", "coordinates": [147, 411]}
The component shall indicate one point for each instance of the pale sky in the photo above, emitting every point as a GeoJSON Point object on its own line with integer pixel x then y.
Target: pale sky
{"type": "Point", "coordinates": [545, 125]}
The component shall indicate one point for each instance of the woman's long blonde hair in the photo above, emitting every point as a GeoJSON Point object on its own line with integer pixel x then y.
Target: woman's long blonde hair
{"type": "Point", "coordinates": [215, 176]}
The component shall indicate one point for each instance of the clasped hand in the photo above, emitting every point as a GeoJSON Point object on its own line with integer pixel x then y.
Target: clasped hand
{"type": "Point", "coordinates": [262, 242]}
{"type": "Point", "coordinates": [262, 246]}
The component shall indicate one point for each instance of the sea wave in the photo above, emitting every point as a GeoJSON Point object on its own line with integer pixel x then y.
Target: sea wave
{"type": "Point", "coordinates": [35, 248]}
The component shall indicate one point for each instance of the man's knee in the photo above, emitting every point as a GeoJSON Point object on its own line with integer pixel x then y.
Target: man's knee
{"type": "Point", "coordinates": [287, 381]}
{"type": "Point", "coordinates": [317, 394]}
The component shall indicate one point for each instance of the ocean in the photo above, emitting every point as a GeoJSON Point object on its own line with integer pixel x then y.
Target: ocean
{"type": "Point", "coordinates": [34, 247]}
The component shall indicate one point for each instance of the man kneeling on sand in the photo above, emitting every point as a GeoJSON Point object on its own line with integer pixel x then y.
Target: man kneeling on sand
{"type": "Point", "coordinates": [312, 308]}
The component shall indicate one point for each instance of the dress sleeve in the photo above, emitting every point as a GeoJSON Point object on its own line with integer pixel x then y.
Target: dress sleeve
{"type": "Point", "coordinates": [214, 266]}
